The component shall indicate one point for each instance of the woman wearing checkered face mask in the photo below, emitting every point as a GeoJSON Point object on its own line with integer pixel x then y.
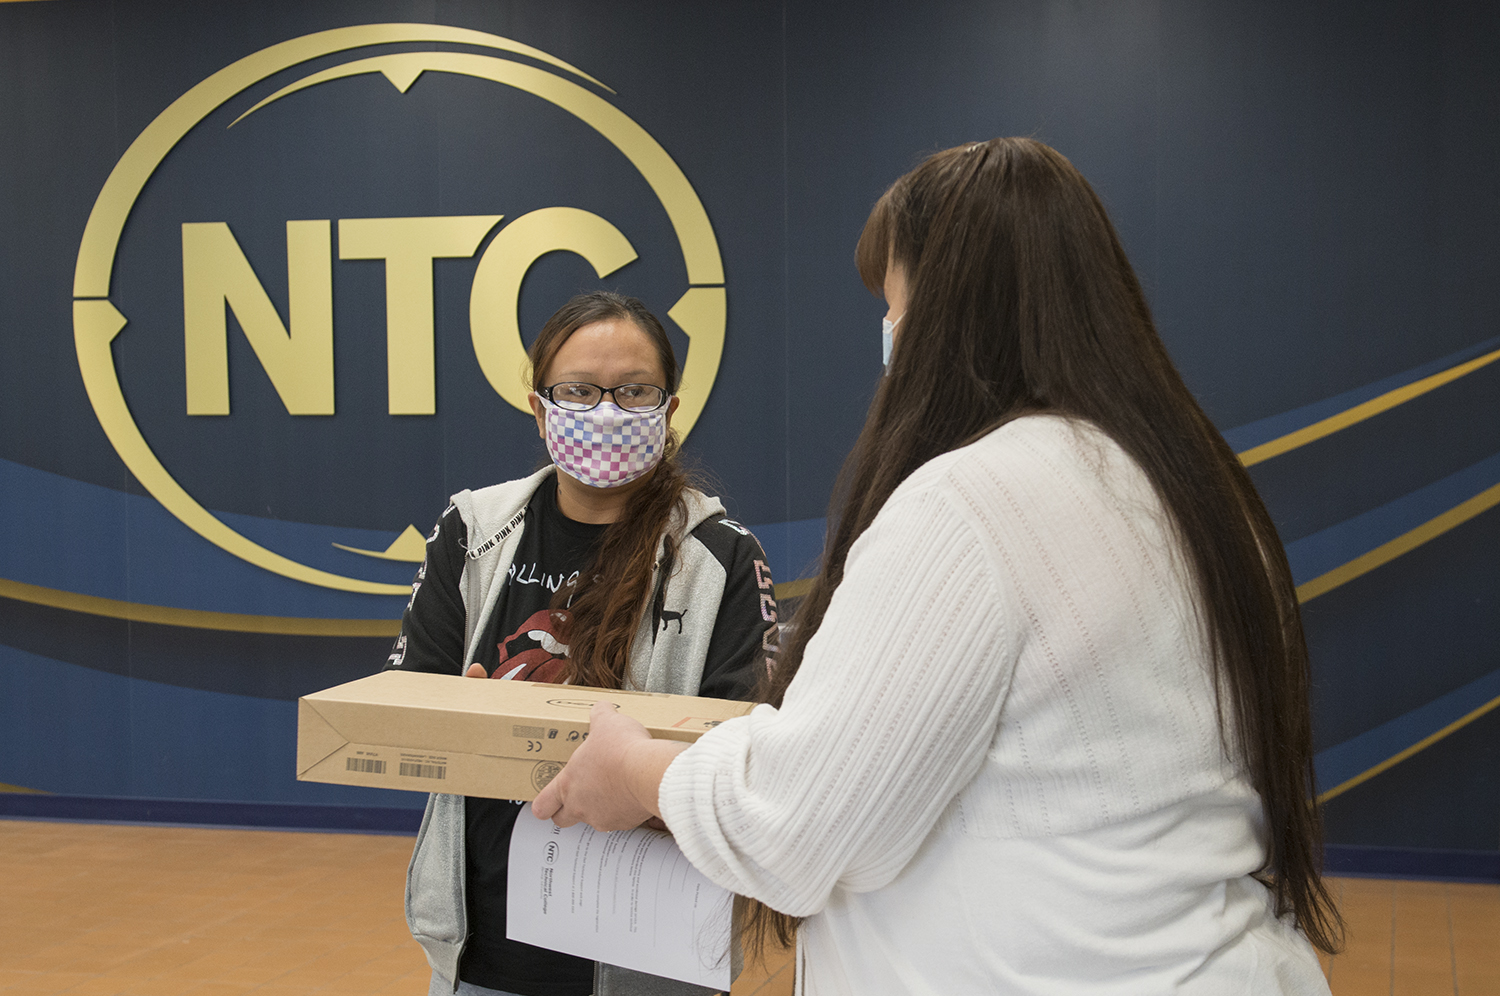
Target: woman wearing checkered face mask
{"type": "Point", "coordinates": [607, 568]}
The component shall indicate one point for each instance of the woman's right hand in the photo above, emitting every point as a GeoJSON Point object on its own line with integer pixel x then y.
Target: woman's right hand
{"type": "Point", "coordinates": [611, 781]}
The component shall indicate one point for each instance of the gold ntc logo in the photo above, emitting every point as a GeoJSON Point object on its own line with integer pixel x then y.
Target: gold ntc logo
{"type": "Point", "coordinates": [297, 355]}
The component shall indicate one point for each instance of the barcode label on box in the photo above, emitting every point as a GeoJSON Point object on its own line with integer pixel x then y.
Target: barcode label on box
{"type": "Point", "coordinates": [411, 770]}
{"type": "Point", "coordinates": [528, 732]}
{"type": "Point", "coordinates": [368, 765]}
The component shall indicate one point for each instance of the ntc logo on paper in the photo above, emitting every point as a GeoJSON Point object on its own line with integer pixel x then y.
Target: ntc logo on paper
{"type": "Point", "coordinates": [273, 239]}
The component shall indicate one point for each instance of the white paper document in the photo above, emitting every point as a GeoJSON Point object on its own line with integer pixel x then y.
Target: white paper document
{"type": "Point", "coordinates": [627, 898]}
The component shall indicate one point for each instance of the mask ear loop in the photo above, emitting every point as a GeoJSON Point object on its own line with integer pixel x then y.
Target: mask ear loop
{"type": "Point", "coordinates": [888, 338]}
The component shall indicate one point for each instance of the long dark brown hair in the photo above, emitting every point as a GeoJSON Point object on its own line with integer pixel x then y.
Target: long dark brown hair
{"type": "Point", "coordinates": [600, 613]}
{"type": "Point", "coordinates": [1021, 300]}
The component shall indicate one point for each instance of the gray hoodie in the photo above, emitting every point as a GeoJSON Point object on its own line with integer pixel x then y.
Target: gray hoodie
{"type": "Point", "coordinates": [666, 661]}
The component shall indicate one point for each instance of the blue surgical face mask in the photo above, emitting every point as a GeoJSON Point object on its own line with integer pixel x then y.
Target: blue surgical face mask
{"type": "Point", "coordinates": [887, 338]}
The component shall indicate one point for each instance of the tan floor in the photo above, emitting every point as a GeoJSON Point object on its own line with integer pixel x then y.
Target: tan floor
{"type": "Point", "coordinates": [1417, 938]}
{"type": "Point", "coordinates": [164, 911]}
{"type": "Point", "coordinates": [93, 910]}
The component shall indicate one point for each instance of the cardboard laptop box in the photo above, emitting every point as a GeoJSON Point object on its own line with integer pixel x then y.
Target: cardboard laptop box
{"type": "Point", "coordinates": [471, 736]}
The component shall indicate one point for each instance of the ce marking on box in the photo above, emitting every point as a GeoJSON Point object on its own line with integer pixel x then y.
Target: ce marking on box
{"type": "Point", "coordinates": [533, 746]}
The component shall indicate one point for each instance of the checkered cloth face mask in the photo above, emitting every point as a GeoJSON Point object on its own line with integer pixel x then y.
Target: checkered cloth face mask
{"type": "Point", "coordinates": [605, 446]}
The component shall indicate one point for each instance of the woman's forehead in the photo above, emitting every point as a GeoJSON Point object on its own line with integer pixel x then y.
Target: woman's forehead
{"type": "Point", "coordinates": [614, 348]}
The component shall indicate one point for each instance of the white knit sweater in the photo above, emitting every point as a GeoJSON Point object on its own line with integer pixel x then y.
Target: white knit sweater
{"type": "Point", "coordinates": [1000, 768]}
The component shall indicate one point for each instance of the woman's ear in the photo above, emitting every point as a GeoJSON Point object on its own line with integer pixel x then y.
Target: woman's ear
{"type": "Point", "coordinates": [672, 407]}
{"type": "Point", "coordinates": [540, 411]}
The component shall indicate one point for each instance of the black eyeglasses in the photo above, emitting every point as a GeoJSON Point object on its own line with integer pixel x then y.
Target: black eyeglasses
{"type": "Point", "coordinates": [582, 397]}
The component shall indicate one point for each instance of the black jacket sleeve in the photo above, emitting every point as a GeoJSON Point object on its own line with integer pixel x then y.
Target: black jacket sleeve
{"type": "Point", "coordinates": [432, 627]}
{"type": "Point", "coordinates": [743, 645]}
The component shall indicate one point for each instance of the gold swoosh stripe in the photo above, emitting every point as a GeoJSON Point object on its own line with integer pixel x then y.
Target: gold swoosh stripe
{"type": "Point", "coordinates": [294, 626]}
{"type": "Point", "coordinates": [233, 622]}
{"type": "Point", "coordinates": [1420, 745]}
{"type": "Point", "coordinates": [793, 589]}
{"type": "Point", "coordinates": [1360, 412]}
{"type": "Point", "coordinates": [1405, 543]}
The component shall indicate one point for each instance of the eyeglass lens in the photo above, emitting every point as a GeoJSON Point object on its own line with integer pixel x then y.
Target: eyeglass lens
{"type": "Point", "coordinates": [631, 397]}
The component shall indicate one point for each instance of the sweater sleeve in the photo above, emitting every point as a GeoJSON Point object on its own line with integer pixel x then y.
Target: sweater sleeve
{"type": "Point", "coordinates": [892, 712]}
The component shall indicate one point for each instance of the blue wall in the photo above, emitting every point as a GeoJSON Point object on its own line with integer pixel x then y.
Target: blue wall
{"type": "Point", "coordinates": [1307, 191]}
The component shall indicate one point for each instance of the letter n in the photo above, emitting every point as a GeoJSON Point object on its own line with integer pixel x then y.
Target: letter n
{"type": "Point", "coordinates": [299, 363]}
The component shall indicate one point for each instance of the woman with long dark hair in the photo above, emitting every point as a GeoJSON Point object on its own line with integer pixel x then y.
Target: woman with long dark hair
{"type": "Point", "coordinates": [1042, 722]}
{"type": "Point", "coordinates": [606, 568]}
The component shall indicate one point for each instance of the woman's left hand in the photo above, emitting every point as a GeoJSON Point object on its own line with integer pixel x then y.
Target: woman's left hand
{"type": "Point", "coordinates": [612, 779]}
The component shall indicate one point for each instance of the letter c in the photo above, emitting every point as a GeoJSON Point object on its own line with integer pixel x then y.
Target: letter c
{"type": "Point", "coordinates": [493, 300]}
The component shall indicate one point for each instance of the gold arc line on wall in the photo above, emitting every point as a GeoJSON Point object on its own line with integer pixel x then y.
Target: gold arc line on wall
{"type": "Point", "coordinates": [700, 250]}
{"type": "Point", "coordinates": [401, 69]}
{"type": "Point", "coordinates": [1362, 411]}
{"type": "Point", "coordinates": [1415, 748]}
{"type": "Point", "coordinates": [1382, 554]}
{"type": "Point", "coordinates": [224, 621]}
{"type": "Point", "coordinates": [288, 626]}
{"type": "Point", "coordinates": [1405, 543]}
{"type": "Point", "coordinates": [97, 321]}
{"type": "Point", "coordinates": [91, 277]}
{"type": "Point", "coordinates": [231, 622]}
{"type": "Point", "coordinates": [194, 618]}
{"type": "Point", "coordinates": [95, 325]}
{"type": "Point", "coordinates": [793, 589]}
{"type": "Point", "coordinates": [410, 547]}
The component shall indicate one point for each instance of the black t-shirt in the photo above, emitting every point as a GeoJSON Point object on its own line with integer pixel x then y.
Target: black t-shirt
{"type": "Point", "coordinates": [523, 639]}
